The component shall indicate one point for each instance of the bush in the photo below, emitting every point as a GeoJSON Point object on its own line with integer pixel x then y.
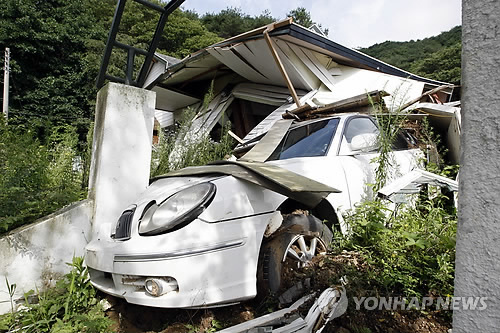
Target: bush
{"type": "Point", "coordinates": [71, 306]}
{"type": "Point", "coordinates": [36, 179]}
{"type": "Point", "coordinates": [179, 147]}
{"type": "Point", "coordinates": [411, 252]}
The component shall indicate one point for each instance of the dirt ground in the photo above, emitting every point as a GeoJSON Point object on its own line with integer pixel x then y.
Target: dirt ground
{"type": "Point", "coordinates": [322, 274]}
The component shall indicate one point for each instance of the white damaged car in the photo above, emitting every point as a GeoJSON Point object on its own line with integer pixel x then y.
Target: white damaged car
{"type": "Point", "coordinates": [211, 235]}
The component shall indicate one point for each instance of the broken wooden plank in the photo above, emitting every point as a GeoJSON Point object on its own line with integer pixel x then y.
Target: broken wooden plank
{"type": "Point", "coordinates": [427, 93]}
{"type": "Point", "coordinates": [343, 105]}
{"type": "Point", "coordinates": [280, 66]}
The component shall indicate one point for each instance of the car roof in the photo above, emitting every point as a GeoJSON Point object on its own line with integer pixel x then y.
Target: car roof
{"type": "Point", "coordinates": [298, 123]}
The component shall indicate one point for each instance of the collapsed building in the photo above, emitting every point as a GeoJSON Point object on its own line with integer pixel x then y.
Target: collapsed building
{"type": "Point", "coordinates": [286, 70]}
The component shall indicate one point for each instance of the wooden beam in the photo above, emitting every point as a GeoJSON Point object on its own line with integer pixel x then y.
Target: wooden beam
{"type": "Point", "coordinates": [427, 93]}
{"type": "Point", "coordinates": [342, 105]}
{"type": "Point", "coordinates": [280, 66]}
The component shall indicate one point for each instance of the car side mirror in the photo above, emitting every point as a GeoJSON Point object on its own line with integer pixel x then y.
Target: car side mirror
{"type": "Point", "coordinates": [364, 142]}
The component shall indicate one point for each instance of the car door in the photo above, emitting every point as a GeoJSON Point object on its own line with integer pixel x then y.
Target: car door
{"type": "Point", "coordinates": [360, 165]}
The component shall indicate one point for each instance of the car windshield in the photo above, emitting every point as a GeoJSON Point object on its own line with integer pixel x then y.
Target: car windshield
{"type": "Point", "coordinates": [306, 141]}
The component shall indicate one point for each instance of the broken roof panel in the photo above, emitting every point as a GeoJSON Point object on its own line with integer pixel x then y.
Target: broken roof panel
{"type": "Point", "coordinates": [314, 65]}
{"type": "Point", "coordinates": [298, 35]}
{"type": "Point", "coordinates": [169, 100]}
{"type": "Point", "coordinates": [298, 72]}
{"type": "Point", "coordinates": [232, 60]}
{"type": "Point", "coordinates": [411, 184]}
{"type": "Point", "coordinates": [254, 51]}
{"type": "Point", "coordinates": [265, 94]}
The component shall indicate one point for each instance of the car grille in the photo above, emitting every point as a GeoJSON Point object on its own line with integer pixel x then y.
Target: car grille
{"type": "Point", "coordinates": [124, 225]}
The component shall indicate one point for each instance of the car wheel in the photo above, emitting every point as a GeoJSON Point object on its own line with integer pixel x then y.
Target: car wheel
{"type": "Point", "coordinates": [294, 246]}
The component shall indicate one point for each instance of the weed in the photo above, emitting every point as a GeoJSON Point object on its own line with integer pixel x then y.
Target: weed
{"type": "Point", "coordinates": [71, 306]}
{"type": "Point", "coordinates": [412, 252]}
{"type": "Point", "coordinates": [11, 288]}
{"type": "Point", "coordinates": [179, 147]}
{"type": "Point", "coordinates": [36, 179]}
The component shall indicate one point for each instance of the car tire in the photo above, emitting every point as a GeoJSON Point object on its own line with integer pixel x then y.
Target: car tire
{"type": "Point", "coordinates": [297, 242]}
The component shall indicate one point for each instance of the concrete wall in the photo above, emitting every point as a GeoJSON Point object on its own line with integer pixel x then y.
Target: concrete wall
{"type": "Point", "coordinates": [478, 236]}
{"type": "Point", "coordinates": [35, 255]}
{"type": "Point", "coordinates": [121, 153]}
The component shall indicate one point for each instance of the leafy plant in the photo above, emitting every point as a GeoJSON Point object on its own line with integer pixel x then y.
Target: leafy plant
{"type": "Point", "coordinates": [11, 288]}
{"type": "Point", "coordinates": [389, 124]}
{"type": "Point", "coordinates": [36, 179]}
{"type": "Point", "coordinates": [412, 252]}
{"type": "Point", "coordinates": [71, 306]}
{"type": "Point", "coordinates": [179, 147]}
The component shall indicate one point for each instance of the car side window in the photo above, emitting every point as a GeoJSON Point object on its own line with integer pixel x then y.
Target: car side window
{"type": "Point", "coordinates": [308, 140]}
{"type": "Point", "coordinates": [356, 126]}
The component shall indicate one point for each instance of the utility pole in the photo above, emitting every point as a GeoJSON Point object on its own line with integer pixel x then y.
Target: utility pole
{"type": "Point", "coordinates": [6, 70]}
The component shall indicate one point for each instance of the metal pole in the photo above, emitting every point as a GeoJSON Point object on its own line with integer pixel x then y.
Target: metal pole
{"type": "Point", "coordinates": [6, 71]}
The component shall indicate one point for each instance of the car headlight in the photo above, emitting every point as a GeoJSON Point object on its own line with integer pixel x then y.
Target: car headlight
{"type": "Point", "coordinates": [177, 211]}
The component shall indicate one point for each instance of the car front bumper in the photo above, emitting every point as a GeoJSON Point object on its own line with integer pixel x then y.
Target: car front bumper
{"type": "Point", "coordinates": [212, 263]}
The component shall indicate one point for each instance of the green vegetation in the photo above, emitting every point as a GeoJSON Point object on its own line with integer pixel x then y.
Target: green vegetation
{"type": "Point", "coordinates": [436, 57]}
{"type": "Point", "coordinates": [232, 21]}
{"type": "Point", "coordinates": [71, 306]}
{"type": "Point", "coordinates": [411, 252]}
{"type": "Point", "coordinates": [178, 148]}
{"type": "Point", "coordinates": [407, 249]}
{"type": "Point", "coordinates": [36, 179]}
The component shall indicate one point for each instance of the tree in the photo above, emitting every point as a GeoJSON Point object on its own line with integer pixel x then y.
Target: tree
{"type": "Point", "coordinates": [301, 16]}
{"type": "Point", "coordinates": [232, 21]}
{"type": "Point", "coordinates": [56, 50]}
{"type": "Point", "coordinates": [418, 56]}
{"type": "Point", "coordinates": [47, 41]}
{"type": "Point", "coordinates": [443, 65]}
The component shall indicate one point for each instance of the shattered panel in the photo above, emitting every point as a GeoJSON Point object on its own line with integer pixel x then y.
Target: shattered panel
{"type": "Point", "coordinates": [254, 52]}
{"type": "Point", "coordinates": [290, 184]}
{"type": "Point", "coordinates": [412, 182]}
{"type": "Point", "coordinates": [298, 73]}
{"type": "Point", "coordinates": [237, 64]}
{"type": "Point", "coordinates": [314, 65]}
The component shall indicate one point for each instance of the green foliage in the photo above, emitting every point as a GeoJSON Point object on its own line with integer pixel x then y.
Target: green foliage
{"type": "Point", "coordinates": [389, 125]}
{"type": "Point", "coordinates": [57, 46]}
{"type": "Point", "coordinates": [48, 76]}
{"type": "Point", "coordinates": [442, 65]}
{"type": "Point", "coordinates": [411, 252]}
{"type": "Point", "coordinates": [179, 148]}
{"type": "Point", "coordinates": [35, 179]}
{"type": "Point", "coordinates": [11, 288]}
{"type": "Point", "coordinates": [301, 16]}
{"type": "Point", "coordinates": [70, 307]}
{"type": "Point", "coordinates": [437, 57]}
{"type": "Point", "coordinates": [232, 21]}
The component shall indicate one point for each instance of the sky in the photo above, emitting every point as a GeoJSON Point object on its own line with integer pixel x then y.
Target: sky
{"type": "Point", "coordinates": [356, 23]}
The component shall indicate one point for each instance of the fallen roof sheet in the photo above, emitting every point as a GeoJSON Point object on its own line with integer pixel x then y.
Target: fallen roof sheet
{"type": "Point", "coordinates": [330, 304]}
{"type": "Point", "coordinates": [412, 182]}
{"type": "Point", "coordinates": [277, 179]}
{"type": "Point", "coordinates": [294, 35]}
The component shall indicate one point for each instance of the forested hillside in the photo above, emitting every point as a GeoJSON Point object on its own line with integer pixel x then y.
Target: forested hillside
{"type": "Point", "coordinates": [435, 57]}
